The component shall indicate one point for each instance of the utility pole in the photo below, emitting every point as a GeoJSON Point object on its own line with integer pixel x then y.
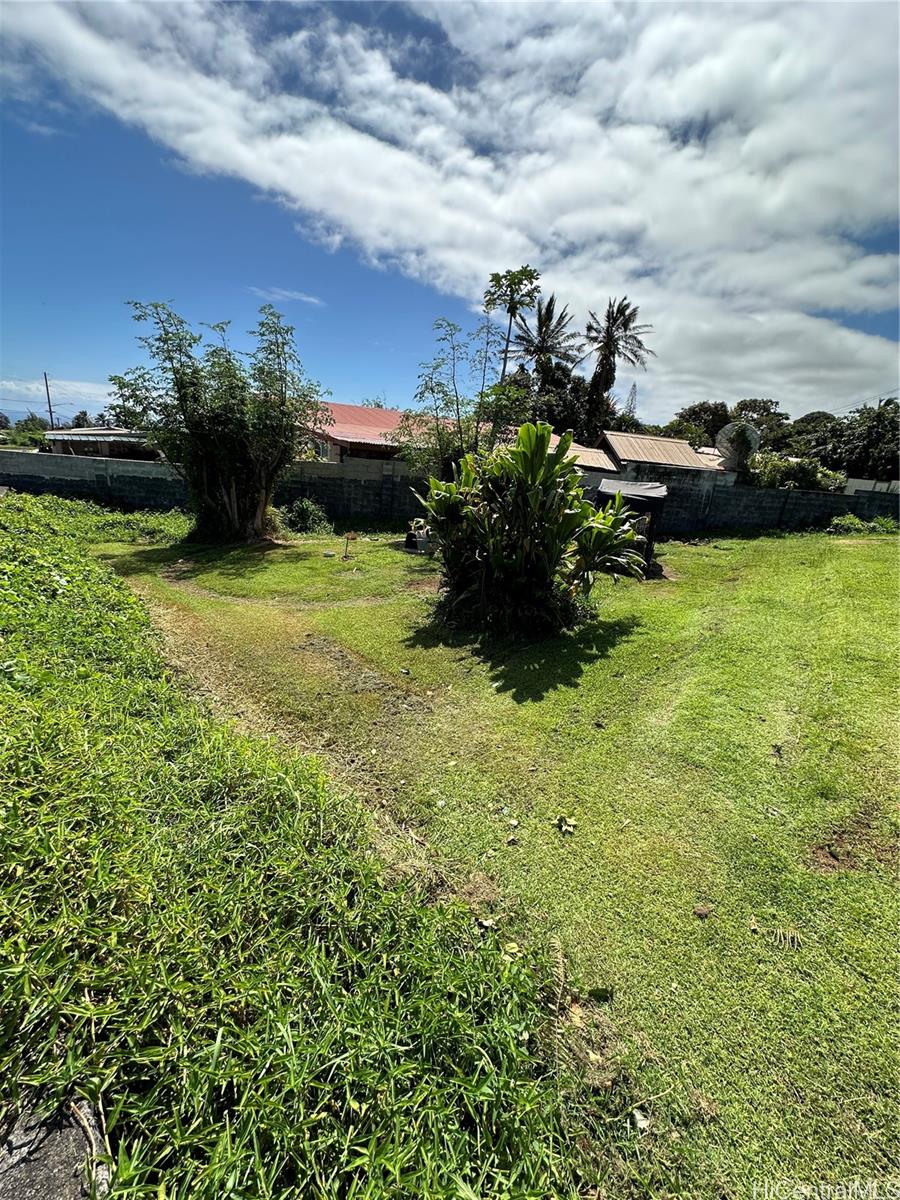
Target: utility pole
{"type": "Point", "coordinates": [49, 405]}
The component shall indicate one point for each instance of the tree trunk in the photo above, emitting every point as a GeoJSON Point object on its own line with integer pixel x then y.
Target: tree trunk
{"type": "Point", "coordinates": [506, 346]}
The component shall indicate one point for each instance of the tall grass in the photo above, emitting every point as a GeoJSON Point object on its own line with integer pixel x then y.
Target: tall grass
{"type": "Point", "coordinates": [197, 938]}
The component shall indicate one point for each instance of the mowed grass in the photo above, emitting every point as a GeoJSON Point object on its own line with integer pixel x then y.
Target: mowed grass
{"type": "Point", "coordinates": [724, 740]}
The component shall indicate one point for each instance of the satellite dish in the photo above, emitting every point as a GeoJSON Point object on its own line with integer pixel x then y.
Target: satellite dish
{"type": "Point", "coordinates": [736, 442]}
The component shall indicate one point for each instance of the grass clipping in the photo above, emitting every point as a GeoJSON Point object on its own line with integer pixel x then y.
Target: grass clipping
{"type": "Point", "coordinates": [197, 940]}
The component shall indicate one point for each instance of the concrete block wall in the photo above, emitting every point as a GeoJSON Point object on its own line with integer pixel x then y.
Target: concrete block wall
{"type": "Point", "coordinates": [736, 507]}
{"type": "Point", "coordinates": [125, 482]}
{"type": "Point", "coordinates": [370, 490]}
{"type": "Point", "coordinates": [357, 489]}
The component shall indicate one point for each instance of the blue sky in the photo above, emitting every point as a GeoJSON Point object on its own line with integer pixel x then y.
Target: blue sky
{"type": "Point", "coordinates": [98, 214]}
{"type": "Point", "coordinates": [732, 168]}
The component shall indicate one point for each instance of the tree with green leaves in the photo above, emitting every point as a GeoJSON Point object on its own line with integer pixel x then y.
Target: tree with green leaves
{"type": "Point", "coordinates": [624, 417]}
{"type": "Point", "coordinates": [32, 422]}
{"type": "Point", "coordinates": [229, 423]}
{"type": "Point", "coordinates": [515, 292]}
{"type": "Point", "coordinates": [710, 416]}
{"type": "Point", "coordinates": [685, 431]}
{"type": "Point", "coordinates": [550, 340]}
{"type": "Point", "coordinates": [808, 436]}
{"type": "Point", "coordinates": [865, 443]}
{"type": "Point", "coordinates": [460, 412]}
{"type": "Point", "coordinates": [81, 420]}
{"type": "Point", "coordinates": [616, 337]}
{"type": "Point", "coordinates": [767, 418]}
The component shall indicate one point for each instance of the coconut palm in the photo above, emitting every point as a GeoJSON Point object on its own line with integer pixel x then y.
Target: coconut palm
{"type": "Point", "coordinates": [617, 337]}
{"type": "Point", "coordinates": [550, 340]}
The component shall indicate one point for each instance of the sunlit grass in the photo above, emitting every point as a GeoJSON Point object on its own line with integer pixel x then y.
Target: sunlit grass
{"type": "Point", "coordinates": [712, 735]}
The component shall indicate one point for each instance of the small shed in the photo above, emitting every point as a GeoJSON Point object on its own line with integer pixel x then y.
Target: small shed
{"type": "Point", "coordinates": [646, 499]}
{"type": "Point", "coordinates": [100, 442]}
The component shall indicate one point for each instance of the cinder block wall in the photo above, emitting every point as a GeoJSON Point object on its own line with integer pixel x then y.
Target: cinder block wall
{"type": "Point", "coordinates": [127, 482]}
{"type": "Point", "coordinates": [357, 489]}
{"type": "Point", "coordinates": [370, 490]}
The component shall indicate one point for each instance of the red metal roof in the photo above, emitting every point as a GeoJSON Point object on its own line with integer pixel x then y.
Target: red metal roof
{"type": "Point", "coordinates": [355, 424]}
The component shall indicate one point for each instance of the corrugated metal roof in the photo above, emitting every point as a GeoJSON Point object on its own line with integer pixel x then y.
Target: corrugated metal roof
{"type": "Point", "coordinates": [357, 425]}
{"type": "Point", "coordinates": [667, 452]}
{"type": "Point", "coordinates": [102, 433]}
{"type": "Point", "coordinates": [587, 457]}
{"type": "Point", "coordinates": [712, 459]}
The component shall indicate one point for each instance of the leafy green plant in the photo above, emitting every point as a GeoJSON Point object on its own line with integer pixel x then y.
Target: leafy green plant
{"type": "Point", "coordinates": [306, 516]}
{"type": "Point", "coordinates": [520, 545]}
{"type": "Point", "coordinates": [769, 469]}
{"type": "Point", "coordinates": [851, 524]}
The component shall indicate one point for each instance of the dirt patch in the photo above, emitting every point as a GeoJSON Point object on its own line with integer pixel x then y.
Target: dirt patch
{"type": "Point", "coordinates": [356, 678]}
{"type": "Point", "coordinates": [856, 844]}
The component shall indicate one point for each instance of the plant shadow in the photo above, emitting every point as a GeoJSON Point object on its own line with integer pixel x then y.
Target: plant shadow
{"type": "Point", "coordinates": [527, 671]}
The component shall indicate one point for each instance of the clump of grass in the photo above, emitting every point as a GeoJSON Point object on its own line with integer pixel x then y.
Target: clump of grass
{"type": "Point", "coordinates": [198, 938]}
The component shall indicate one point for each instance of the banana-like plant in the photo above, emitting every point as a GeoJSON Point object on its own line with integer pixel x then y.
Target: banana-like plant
{"type": "Point", "coordinates": [520, 545]}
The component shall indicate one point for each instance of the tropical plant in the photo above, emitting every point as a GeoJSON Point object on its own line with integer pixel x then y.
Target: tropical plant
{"type": "Point", "coordinates": [551, 340]}
{"type": "Point", "coordinates": [520, 545]}
{"type": "Point", "coordinates": [228, 426]}
{"type": "Point", "coordinates": [617, 337]}
{"type": "Point", "coordinates": [515, 292]}
{"type": "Point", "coordinates": [81, 420]}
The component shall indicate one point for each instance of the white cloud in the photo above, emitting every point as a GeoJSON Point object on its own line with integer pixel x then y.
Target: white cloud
{"type": "Point", "coordinates": [67, 396]}
{"type": "Point", "coordinates": [718, 163]}
{"type": "Point", "coordinates": [276, 295]}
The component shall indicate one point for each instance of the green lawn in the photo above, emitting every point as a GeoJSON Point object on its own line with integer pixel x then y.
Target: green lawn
{"type": "Point", "coordinates": [723, 738]}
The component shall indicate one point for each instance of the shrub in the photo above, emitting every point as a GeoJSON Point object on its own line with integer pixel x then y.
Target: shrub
{"type": "Point", "coordinates": [768, 469]}
{"type": "Point", "coordinates": [520, 545]}
{"type": "Point", "coordinates": [884, 525]}
{"type": "Point", "coordinates": [850, 523]}
{"type": "Point", "coordinates": [306, 516]}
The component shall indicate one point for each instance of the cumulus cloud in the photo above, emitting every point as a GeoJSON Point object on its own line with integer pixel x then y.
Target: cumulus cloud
{"type": "Point", "coordinates": [285, 295]}
{"type": "Point", "coordinates": [723, 165]}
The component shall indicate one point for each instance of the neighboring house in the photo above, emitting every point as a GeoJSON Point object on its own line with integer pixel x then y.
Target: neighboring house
{"type": "Point", "coordinates": [357, 431]}
{"type": "Point", "coordinates": [370, 433]}
{"type": "Point", "coordinates": [100, 442]}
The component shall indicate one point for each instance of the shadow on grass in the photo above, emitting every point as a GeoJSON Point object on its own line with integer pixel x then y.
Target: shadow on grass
{"type": "Point", "coordinates": [184, 560]}
{"type": "Point", "coordinates": [529, 670]}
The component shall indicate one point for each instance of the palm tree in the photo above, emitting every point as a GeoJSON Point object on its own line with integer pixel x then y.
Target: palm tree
{"type": "Point", "coordinates": [618, 337]}
{"type": "Point", "coordinates": [550, 339]}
